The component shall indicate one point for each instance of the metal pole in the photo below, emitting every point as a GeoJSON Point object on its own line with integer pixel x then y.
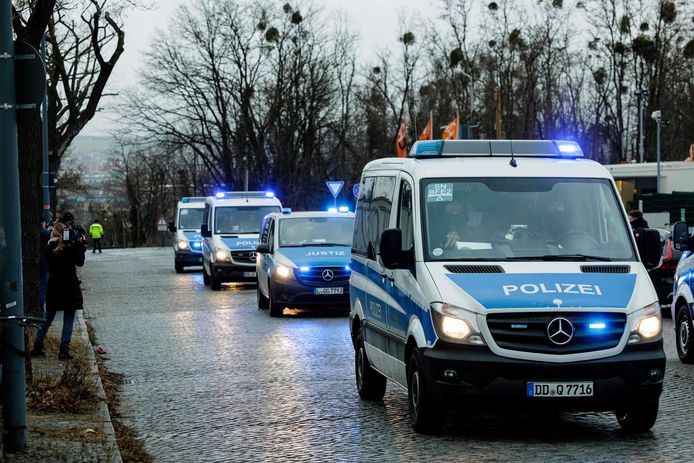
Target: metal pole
{"type": "Point", "coordinates": [44, 124]}
{"type": "Point", "coordinates": [11, 284]}
{"type": "Point", "coordinates": [657, 156]}
{"type": "Point", "coordinates": [640, 126]}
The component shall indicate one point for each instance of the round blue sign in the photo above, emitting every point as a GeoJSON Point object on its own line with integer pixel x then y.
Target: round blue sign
{"type": "Point", "coordinates": [355, 190]}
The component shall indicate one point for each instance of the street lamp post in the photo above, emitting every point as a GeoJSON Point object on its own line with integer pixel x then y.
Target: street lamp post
{"type": "Point", "coordinates": [657, 117]}
{"type": "Point", "coordinates": [640, 95]}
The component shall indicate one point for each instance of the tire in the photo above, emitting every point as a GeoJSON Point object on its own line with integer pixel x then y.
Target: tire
{"type": "Point", "coordinates": [215, 283]}
{"type": "Point", "coordinates": [273, 308]}
{"type": "Point", "coordinates": [684, 335]}
{"type": "Point", "coordinates": [178, 267]}
{"type": "Point", "coordinates": [371, 385]}
{"type": "Point", "coordinates": [205, 277]}
{"type": "Point", "coordinates": [263, 301]}
{"type": "Point", "coordinates": [639, 418]}
{"type": "Point", "coordinates": [425, 417]}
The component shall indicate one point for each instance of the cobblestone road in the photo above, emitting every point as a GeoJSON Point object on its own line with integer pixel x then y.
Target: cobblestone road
{"type": "Point", "coordinates": [212, 378]}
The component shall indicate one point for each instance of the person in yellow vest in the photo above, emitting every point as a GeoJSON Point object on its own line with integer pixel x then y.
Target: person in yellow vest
{"type": "Point", "coordinates": [96, 232]}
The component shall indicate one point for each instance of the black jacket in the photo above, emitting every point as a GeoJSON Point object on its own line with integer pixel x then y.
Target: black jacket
{"type": "Point", "coordinates": [45, 235]}
{"type": "Point", "coordinates": [64, 291]}
{"type": "Point", "coordinates": [639, 223]}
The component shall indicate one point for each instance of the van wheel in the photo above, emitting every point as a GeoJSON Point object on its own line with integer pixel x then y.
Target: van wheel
{"type": "Point", "coordinates": [638, 418]}
{"type": "Point", "coordinates": [178, 267]}
{"type": "Point", "coordinates": [684, 335]}
{"type": "Point", "coordinates": [371, 385]}
{"type": "Point", "coordinates": [262, 300]}
{"type": "Point", "coordinates": [205, 277]}
{"type": "Point", "coordinates": [425, 417]}
{"type": "Point", "coordinates": [215, 283]}
{"type": "Point", "coordinates": [273, 308]}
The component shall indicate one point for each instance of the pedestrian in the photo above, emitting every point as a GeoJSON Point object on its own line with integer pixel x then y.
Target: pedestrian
{"type": "Point", "coordinates": [64, 253]}
{"type": "Point", "coordinates": [44, 236]}
{"type": "Point", "coordinates": [636, 219]}
{"type": "Point", "coordinates": [96, 232]}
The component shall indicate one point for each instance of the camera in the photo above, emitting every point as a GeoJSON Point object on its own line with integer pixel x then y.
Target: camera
{"type": "Point", "coordinates": [74, 234]}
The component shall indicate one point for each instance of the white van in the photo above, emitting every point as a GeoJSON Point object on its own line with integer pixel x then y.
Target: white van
{"type": "Point", "coordinates": [503, 273]}
{"type": "Point", "coordinates": [187, 243]}
{"type": "Point", "coordinates": [230, 229]}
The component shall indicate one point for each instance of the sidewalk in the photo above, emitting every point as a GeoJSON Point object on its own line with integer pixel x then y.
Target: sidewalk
{"type": "Point", "coordinates": [84, 436]}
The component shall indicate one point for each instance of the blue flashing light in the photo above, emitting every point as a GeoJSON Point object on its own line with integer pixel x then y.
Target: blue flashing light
{"type": "Point", "coordinates": [427, 148]}
{"type": "Point", "coordinates": [219, 195]}
{"type": "Point", "coordinates": [304, 268]}
{"type": "Point", "coordinates": [332, 209]}
{"type": "Point", "coordinates": [185, 200]}
{"type": "Point", "coordinates": [269, 194]}
{"type": "Point", "coordinates": [348, 268]}
{"type": "Point", "coordinates": [196, 244]}
{"type": "Point", "coordinates": [597, 326]}
{"type": "Point", "coordinates": [286, 210]}
{"type": "Point", "coordinates": [343, 209]}
{"type": "Point", "coordinates": [569, 149]}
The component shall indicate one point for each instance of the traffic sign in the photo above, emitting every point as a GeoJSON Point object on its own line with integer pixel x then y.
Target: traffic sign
{"type": "Point", "coordinates": [30, 76]}
{"type": "Point", "coordinates": [355, 190]}
{"type": "Point", "coordinates": [335, 186]}
{"type": "Point", "coordinates": [161, 225]}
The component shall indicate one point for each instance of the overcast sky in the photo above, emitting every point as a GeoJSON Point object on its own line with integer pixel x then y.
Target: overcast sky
{"type": "Point", "coordinates": [375, 21]}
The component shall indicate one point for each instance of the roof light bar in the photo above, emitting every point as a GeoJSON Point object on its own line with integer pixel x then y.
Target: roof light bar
{"type": "Point", "coordinates": [497, 148]}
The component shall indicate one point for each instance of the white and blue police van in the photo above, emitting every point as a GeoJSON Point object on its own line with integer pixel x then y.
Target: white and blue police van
{"type": "Point", "coordinates": [304, 260]}
{"type": "Point", "coordinates": [230, 229]}
{"type": "Point", "coordinates": [187, 242]}
{"type": "Point", "coordinates": [682, 307]}
{"type": "Point", "coordinates": [502, 273]}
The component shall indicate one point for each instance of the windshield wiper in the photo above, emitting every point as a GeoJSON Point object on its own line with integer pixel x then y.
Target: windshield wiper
{"type": "Point", "coordinates": [560, 257]}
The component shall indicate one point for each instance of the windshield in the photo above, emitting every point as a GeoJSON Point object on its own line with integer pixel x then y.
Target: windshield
{"type": "Point", "coordinates": [524, 218]}
{"type": "Point", "coordinates": [237, 220]}
{"type": "Point", "coordinates": [190, 218]}
{"type": "Point", "coordinates": [316, 231]}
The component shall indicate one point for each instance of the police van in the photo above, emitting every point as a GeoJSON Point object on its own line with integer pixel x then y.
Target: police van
{"type": "Point", "coordinates": [303, 260]}
{"type": "Point", "coordinates": [682, 308]}
{"type": "Point", "coordinates": [187, 243]}
{"type": "Point", "coordinates": [230, 227]}
{"type": "Point", "coordinates": [502, 273]}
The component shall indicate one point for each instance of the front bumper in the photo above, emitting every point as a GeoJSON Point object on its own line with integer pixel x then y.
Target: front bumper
{"type": "Point", "coordinates": [227, 272]}
{"type": "Point", "coordinates": [294, 292]}
{"type": "Point", "coordinates": [618, 380]}
{"type": "Point", "coordinates": [186, 258]}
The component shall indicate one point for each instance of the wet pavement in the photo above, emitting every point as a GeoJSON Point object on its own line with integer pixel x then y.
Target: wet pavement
{"type": "Point", "coordinates": [210, 377]}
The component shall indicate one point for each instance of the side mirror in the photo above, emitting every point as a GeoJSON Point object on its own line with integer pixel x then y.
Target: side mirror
{"type": "Point", "coordinates": [172, 227]}
{"type": "Point", "coordinates": [263, 248]}
{"type": "Point", "coordinates": [680, 236]}
{"type": "Point", "coordinates": [390, 248]}
{"type": "Point", "coordinates": [205, 231]}
{"type": "Point", "coordinates": [650, 246]}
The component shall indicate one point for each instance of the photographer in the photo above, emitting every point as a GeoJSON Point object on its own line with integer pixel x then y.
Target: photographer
{"type": "Point", "coordinates": [65, 252]}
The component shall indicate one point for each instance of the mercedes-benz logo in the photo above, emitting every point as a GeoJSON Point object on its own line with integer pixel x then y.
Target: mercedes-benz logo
{"type": "Point", "coordinates": [253, 256]}
{"type": "Point", "coordinates": [560, 331]}
{"type": "Point", "coordinates": [328, 274]}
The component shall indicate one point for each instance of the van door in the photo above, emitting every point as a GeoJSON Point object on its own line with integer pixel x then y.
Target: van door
{"type": "Point", "coordinates": [401, 282]}
{"type": "Point", "coordinates": [263, 266]}
{"type": "Point", "coordinates": [207, 246]}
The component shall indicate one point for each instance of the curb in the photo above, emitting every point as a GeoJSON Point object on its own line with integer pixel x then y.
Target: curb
{"type": "Point", "coordinates": [104, 416]}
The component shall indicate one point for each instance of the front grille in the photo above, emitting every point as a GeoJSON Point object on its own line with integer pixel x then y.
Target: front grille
{"type": "Point", "coordinates": [527, 332]}
{"type": "Point", "coordinates": [314, 276]}
{"type": "Point", "coordinates": [605, 268]}
{"type": "Point", "coordinates": [474, 268]}
{"type": "Point", "coordinates": [243, 257]}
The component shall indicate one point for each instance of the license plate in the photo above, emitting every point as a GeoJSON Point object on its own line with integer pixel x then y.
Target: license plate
{"type": "Point", "coordinates": [248, 274]}
{"type": "Point", "coordinates": [329, 291]}
{"type": "Point", "coordinates": [572, 389]}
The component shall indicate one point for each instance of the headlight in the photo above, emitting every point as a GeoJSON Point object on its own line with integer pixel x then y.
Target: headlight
{"type": "Point", "coordinates": [454, 324]}
{"type": "Point", "coordinates": [222, 255]}
{"type": "Point", "coordinates": [182, 244]}
{"type": "Point", "coordinates": [283, 271]}
{"type": "Point", "coordinates": [646, 325]}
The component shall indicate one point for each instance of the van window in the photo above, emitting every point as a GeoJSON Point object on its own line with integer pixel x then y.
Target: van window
{"type": "Point", "coordinates": [264, 231]}
{"type": "Point", "coordinates": [378, 216]}
{"type": "Point", "coordinates": [405, 219]}
{"type": "Point", "coordinates": [236, 220]}
{"type": "Point", "coordinates": [524, 218]}
{"type": "Point", "coordinates": [316, 231]}
{"type": "Point", "coordinates": [359, 241]}
{"type": "Point", "coordinates": [190, 218]}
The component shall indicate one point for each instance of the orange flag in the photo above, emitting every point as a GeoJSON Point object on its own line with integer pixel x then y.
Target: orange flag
{"type": "Point", "coordinates": [428, 132]}
{"type": "Point", "coordinates": [451, 131]}
{"type": "Point", "coordinates": [401, 140]}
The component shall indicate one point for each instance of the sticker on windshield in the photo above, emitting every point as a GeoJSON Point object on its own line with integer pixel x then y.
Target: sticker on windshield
{"type": "Point", "coordinates": [439, 192]}
{"type": "Point", "coordinates": [437, 252]}
{"type": "Point", "coordinates": [184, 211]}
